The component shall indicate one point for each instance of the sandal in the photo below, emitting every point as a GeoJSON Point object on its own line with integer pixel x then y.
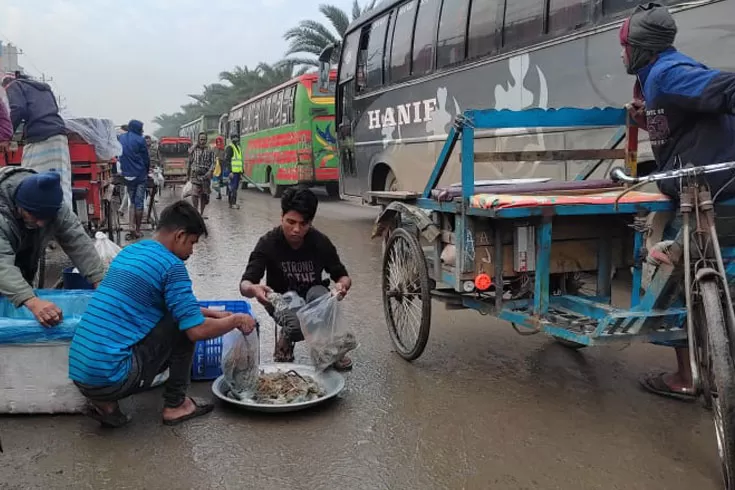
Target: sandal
{"type": "Point", "coordinates": [201, 407]}
{"type": "Point", "coordinates": [113, 420]}
{"type": "Point", "coordinates": [344, 364]}
{"type": "Point", "coordinates": [655, 384]}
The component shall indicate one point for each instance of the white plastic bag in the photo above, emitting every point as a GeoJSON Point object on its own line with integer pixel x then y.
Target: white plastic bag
{"type": "Point", "coordinates": [100, 133]}
{"type": "Point", "coordinates": [287, 301]}
{"type": "Point", "coordinates": [241, 363]}
{"type": "Point", "coordinates": [325, 331]}
{"type": "Point", "coordinates": [106, 248]}
{"type": "Point", "coordinates": [187, 190]}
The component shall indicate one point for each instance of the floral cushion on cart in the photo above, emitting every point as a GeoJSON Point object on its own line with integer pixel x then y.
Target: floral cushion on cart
{"type": "Point", "coordinates": [504, 201]}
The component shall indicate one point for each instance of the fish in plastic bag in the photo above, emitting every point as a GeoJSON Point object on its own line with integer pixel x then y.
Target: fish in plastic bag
{"type": "Point", "coordinates": [287, 301]}
{"type": "Point", "coordinates": [187, 190]}
{"type": "Point", "coordinates": [325, 331]}
{"type": "Point", "coordinates": [106, 248]}
{"type": "Point", "coordinates": [241, 363]}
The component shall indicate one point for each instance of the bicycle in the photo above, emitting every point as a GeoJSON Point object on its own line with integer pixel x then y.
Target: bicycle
{"type": "Point", "coordinates": [710, 314]}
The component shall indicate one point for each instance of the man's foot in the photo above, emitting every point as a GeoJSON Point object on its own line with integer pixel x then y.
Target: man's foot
{"type": "Point", "coordinates": [344, 364]}
{"type": "Point", "coordinates": [669, 385]}
{"type": "Point", "coordinates": [108, 414]}
{"type": "Point", "coordinates": [191, 408]}
{"type": "Point", "coordinates": [219, 197]}
{"type": "Point", "coordinates": [235, 206]}
{"type": "Point", "coordinates": [284, 349]}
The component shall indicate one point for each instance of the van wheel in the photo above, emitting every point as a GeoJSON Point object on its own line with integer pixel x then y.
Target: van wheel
{"type": "Point", "coordinates": [276, 190]}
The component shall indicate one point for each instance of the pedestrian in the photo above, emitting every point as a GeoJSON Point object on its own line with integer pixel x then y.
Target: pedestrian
{"type": "Point", "coordinates": [234, 163]}
{"type": "Point", "coordinates": [219, 177]}
{"type": "Point", "coordinates": [46, 146]}
{"type": "Point", "coordinates": [153, 153]}
{"type": "Point", "coordinates": [33, 212]}
{"type": "Point", "coordinates": [200, 171]}
{"type": "Point", "coordinates": [293, 257]}
{"type": "Point", "coordinates": [687, 109]}
{"type": "Point", "coordinates": [143, 319]}
{"type": "Point", "coordinates": [135, 165]}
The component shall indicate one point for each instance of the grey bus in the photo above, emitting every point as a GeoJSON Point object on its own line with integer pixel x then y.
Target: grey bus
{"type": "Point", "coordinates": [409, 67]}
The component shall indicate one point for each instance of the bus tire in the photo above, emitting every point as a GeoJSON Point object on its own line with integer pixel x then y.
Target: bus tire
{"type": "Point", "coordinates": [391, 183]}
{"type": "Point", "coordinates": [333, 190]}
{"type": "Point", "coordinates": [276, 190]}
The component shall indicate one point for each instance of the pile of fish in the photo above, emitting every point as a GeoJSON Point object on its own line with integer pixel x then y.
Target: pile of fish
{"type": "Point", "coordinates": [284, 388]}
{"type": "Point", "coordinates": [326, 351]}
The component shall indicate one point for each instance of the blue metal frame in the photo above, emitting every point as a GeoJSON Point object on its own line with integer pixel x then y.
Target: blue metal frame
{"type": "Point", "coordinates": [647, 319]}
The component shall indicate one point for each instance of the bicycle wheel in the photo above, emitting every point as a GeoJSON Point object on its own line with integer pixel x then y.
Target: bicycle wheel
{"type": "Point", "coordinates": [721, 376]}
{"type": "Point", "coordinates": [406, 294]}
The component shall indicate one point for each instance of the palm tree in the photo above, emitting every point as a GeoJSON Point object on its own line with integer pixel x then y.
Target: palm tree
{"type": "Point", "coordinates": [311, 37]}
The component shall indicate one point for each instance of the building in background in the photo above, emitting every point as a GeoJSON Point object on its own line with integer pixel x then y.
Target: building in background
{"type": "Point", "coordinates": [9, 59]}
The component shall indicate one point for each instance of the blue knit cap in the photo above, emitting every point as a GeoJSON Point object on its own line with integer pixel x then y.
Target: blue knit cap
{"type": "Point", "coordinates": [40, 194]}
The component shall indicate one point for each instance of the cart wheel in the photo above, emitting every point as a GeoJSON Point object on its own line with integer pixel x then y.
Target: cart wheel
{"type": "Point", "coordinates": [721, 376]}
{"type": "Point", "coordinates": [568, 343]}
{"type": "Point", "coordinates": [406, 294]}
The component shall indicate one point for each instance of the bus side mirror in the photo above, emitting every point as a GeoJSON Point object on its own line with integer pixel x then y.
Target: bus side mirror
{"type": "Point", "coordinates": [325, 65]}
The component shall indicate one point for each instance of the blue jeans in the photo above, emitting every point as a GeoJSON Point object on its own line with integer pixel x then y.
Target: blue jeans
{"type": "Point", "coordinates": [137, 194]}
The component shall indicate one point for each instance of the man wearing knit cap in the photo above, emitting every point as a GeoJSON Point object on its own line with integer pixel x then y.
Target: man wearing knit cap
{"type": "Point", "coordinates": [32, 212]}
{"type": "Point", "coordinates": [687, 109]}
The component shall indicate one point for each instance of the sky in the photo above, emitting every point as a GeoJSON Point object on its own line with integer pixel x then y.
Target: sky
{"type": "Point", "coordinates": [139, 58]}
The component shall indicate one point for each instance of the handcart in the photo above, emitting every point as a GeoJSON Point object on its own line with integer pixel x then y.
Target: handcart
{"type": "Point", "coordinates": [174, 154]}
{"type": "Point", "coordinates": [518, 252]}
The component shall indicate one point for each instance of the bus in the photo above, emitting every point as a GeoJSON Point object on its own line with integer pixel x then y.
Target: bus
{"type": "Point", "coordinates": [409, 67]}
{"type": "Point", "coordinates": [288, 135]}
{"type": "Point", "coordinates": [203, 124]}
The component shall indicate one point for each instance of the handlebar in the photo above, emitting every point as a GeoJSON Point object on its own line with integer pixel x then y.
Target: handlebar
{"type": "Point", "coordinates": [618, 174]}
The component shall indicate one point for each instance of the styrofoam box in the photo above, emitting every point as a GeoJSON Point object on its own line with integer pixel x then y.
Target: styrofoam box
{"type": "Point", "coordinates": [34, 379]}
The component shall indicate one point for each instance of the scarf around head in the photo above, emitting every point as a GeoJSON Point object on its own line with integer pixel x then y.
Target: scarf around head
{"type": "Point", "coordinates": [649, 31]}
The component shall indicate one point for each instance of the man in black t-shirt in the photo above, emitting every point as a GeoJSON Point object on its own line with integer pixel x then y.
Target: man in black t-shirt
{"type": "Point", "coordinates": [294, 256]}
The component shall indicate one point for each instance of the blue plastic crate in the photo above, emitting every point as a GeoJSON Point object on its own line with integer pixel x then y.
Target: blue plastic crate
{"type": "Point", "coordinates": [208, 353]}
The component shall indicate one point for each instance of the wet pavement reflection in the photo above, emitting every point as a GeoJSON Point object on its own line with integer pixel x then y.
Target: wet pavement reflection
{"type": "Point", "coordinates": [482, 409]}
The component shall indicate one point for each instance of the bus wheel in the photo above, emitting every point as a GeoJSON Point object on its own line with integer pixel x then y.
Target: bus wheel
{"type": "Point", "coordinates": [391, 183]}
{"type": "Point", "coordinates": [276, 190]}
{"type": "Point", "coordinates": [333, 189]}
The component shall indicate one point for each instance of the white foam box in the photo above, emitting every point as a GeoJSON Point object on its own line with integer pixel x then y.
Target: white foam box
{"type": "Point", "coordinates": [34, 379]}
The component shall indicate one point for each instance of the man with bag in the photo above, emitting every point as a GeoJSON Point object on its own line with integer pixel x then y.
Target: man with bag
{"type": "Point", "coordinates": [293, 256]}
{"type": "Point", "coordinates": [233, 162]}
{"type": "Point", "coordinates": [33, 212]}
{"type": "Point", "coordinates": [144, 319]}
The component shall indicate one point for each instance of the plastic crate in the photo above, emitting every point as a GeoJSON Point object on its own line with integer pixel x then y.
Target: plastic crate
{"type": "Point", "coordinates": [208, 353]}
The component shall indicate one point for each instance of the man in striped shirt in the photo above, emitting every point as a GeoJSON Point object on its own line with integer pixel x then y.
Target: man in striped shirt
{"type": "Point", "coordinates": [144, 318]}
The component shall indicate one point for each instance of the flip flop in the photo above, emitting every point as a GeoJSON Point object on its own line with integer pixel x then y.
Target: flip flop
{"type": "Point", "coordinates": [201, 407]}
{"type": "Point", "coordinates": [113, 420]}
{"type": "Point", "coordinates": [655, 384]}
{"type": "Point", "coordinates": [344, 364]}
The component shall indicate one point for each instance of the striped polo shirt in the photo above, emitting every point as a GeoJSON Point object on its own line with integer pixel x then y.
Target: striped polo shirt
{"type": "Point", "coordinates": [144, 281]}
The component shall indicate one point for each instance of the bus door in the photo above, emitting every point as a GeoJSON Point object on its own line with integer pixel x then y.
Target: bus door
{"type": "Point", "coordinates": [346, 123]}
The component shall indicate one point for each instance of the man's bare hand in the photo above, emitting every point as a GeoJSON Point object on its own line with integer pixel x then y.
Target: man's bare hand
{"type": "Point", "coordinates": [47, 313]}
{"type": "Point", "coordinates": [244, 323]}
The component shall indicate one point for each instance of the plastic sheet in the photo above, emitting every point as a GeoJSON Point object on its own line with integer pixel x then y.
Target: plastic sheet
{"type": "Point", "coordinates": [98, 132]}
{"type": "Point", "coordinates": [18, 326]}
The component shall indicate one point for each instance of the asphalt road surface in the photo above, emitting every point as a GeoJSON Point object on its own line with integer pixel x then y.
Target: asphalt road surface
{"type": "Point", "coordinates": [483, 408]}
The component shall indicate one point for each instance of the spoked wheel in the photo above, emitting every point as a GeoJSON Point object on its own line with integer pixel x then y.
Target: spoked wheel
{"type": "Point", "coordinates": [406, 294]}
{"type": "Point", "coordinates": [720, 378]}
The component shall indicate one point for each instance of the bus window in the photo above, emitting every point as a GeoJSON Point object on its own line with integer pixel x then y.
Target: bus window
{"type": "Point", "coordinates": [453, 32]}
{"type": "Point", "coordinates": [376, 52]}
{"type": "Point", "coordinates": [265, 114]}
{"type": "Point", "coordinates": [524, 22]}
{"type": "Point", "coordinates": [569, 15]}
{"type": "Point", "coordinates": [423, 37]}
{"type": "Point", "coordinates": [277, 109]}
{"type": "Point", "coordinates": [248, 119]}
{"type": "Point", "coordinates": [288, 105]}
{"type": "Point", "coordinates": [485, 28]}
{"type": "Point", "coordinates": [256, 116]}
{"type": "Point", "coordinates": [349, 56]}
{"type": "Point", "coordinates": [400, 56]}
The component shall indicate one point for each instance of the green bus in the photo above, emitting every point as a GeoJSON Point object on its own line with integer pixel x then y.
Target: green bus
{"type": "Point", "coordinates": [288, 136]}
{"type": "Point", "coordinates": [206, 124]}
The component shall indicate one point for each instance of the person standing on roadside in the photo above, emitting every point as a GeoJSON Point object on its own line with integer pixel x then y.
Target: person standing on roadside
{"type": "Point", "coordinates": [234, 162]}
{"type": "Point", "coordinates": [200, 171]}
{"type": "Point", "coordinates": [46, 147]}
{"type": "Point", "coordinates": [135, 165]}
{"type": "Point", "coordinates": [219, 178]}
{"type": "Point", "coordinates": [6, 126]}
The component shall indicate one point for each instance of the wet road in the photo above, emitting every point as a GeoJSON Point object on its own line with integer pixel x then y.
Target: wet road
{"type": "Point", "coordinates": [482, 409]}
